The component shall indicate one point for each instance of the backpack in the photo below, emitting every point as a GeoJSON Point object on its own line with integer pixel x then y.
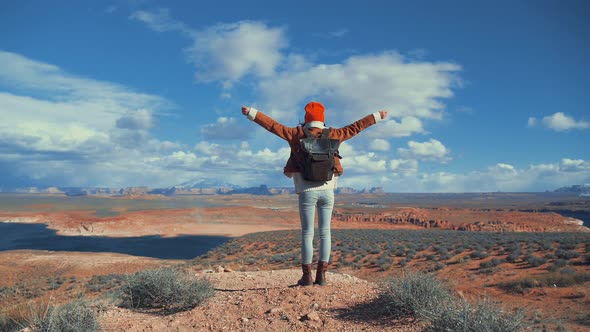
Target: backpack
{"type": "Point", "coordinates": [318, 156]}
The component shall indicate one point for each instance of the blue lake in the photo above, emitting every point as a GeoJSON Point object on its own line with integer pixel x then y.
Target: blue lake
{"type": "Point", "coordinates": [38, 237]}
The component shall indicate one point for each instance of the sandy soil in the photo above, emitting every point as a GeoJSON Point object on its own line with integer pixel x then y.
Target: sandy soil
{"type": "Point", "coordinates": [230, 221]}
{"type": "Point", "coordinates": [243, 214]}
{"type": "Point", "coordinates": [258, 300]}
{"type": "Point", "coordinates": [269, 301]}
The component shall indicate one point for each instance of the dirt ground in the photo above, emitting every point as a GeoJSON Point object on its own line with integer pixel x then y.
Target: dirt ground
{"type": "Point", "coordinates": [255, 300]}
{"type": "Point", "coordinates": [270, 301]}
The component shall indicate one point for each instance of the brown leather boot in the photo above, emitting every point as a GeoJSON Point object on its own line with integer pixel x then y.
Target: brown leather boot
{"type": "Point", "coordinates": [320, 276]}
{"type": "Point", "coordinates": [306, 279]}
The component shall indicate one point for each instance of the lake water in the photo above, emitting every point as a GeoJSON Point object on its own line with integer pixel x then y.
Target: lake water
{"type": "Point", "coordinates": [38, 237]}
{"type": "Point", "coordinates": [580, 215]}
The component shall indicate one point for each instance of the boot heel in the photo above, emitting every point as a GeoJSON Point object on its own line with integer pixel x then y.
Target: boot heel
{"type": "Point", "coordinates": [320, 277]}
{"type": "Point", "coordinates": [306, 279]}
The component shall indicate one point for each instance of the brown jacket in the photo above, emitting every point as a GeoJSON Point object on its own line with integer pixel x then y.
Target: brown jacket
{"type": "Point", "coordinates": [293, 134]}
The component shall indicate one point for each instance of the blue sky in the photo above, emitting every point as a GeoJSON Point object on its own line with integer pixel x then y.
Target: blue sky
{"type": "Point", "coordinates": [482, 95]}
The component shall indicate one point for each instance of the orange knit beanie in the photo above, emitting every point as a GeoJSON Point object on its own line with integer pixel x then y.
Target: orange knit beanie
{"type": "Point", "coordinates": [314, 111]}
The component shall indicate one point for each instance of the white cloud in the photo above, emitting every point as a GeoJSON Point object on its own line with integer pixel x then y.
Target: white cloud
{"type": "Point", "coordinates": [225, 128]}
{"type": "Point", "coordinates": [228, 52]}
{"type": "Point", "coordinates": [240, 157]}
{"type": "Point", "coordinates": [501, 168]}
{"type": "Point", "coordinates": [408, 126]}
{"type": "Point", "coordinates": [411, 90]}
{"type": "Point", "coordinates": [49, 83]}
{"type": "Point", "coordinates": [179, 160]}
{"type": "Point", "coordinates": [500, 177]}
{"type": "Point", "coordinates": [532, 122]}
{"type": "Point", "coordinates": [224, 52]}
{"type": "Point", "coordinates": [574, 165]}
{"type": "Point", "coordinates": [365, 84]}
{"type": "Point", "coordinates": [160, 20]}
{"type": "Point", "coordinates": [140, 119]}
{"type": "Point", "coordinates": [360, 162]}
{"type": "Point", "coordinates": [401, 166]}
{"type": "Point", "coordinates": [562, 122]}
{"type": "Point", "coordinates": [62, 129]}
{"type": "Point", "coordinates": [431, 150]}
{"type": "Point", "coordinates": [379, 145]}
{"type": "Point", "coordinates": [59, 128]}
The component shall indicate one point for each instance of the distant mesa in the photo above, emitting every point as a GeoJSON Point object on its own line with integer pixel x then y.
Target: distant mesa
{"type": "Point", "coordinates": [262, 190]}
{"type": "Point", "coordinates": [581, 189]}
{"type": "Point", "coordinates": [202, 187]}
{"type": "Point", "coordinates": [348, 190]}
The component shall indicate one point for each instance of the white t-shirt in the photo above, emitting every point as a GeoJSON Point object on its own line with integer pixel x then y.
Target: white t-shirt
{"type": "Point", "coordinates": [302, 185]}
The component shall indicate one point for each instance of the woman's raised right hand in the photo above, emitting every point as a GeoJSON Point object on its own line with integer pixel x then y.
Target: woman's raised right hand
{"type": "Point", "coordinates": [245, 110]}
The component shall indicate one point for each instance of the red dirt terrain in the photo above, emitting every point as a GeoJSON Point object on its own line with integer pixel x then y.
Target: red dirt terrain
{"type": "Point", "coordinates": [240, 220]}
{"type": "Point", "coordinates": [265, 300]}
{"type": "Point", "coordinates": [269, 301]}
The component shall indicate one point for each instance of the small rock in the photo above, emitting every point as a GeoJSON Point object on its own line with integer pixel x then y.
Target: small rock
{"type": "Point", "coordinates": [208, 271]}
{"type": "Point", "coordinates": [315, 306]}
{"type": "Point", "coordinates": [244, 320]}
{"type": "Point", "coordinates": [313, 316]}
{"type": "Point", "coordinates": [219, 269]}
{"type": "Point", "coordinates": [227, 269]}
{"type": "Point", "coordinates": [274, 311]}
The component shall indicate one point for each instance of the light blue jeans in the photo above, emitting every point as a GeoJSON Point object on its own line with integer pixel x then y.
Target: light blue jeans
{"type": "Point", "coordinates": [309, 201]}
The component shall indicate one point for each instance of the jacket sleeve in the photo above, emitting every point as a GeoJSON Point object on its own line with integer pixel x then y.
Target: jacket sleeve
{"type": "Point", "coordinates": [353, 129]}
{"type": "Point", "coordinates": [271, 125]}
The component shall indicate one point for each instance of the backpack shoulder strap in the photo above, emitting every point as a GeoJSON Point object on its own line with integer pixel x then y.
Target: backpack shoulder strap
{"type": "Point", "coordinates": [325, 133]}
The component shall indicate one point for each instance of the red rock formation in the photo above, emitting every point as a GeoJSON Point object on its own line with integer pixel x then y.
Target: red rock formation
{"type": "Point", "coordinates": [488, 220]}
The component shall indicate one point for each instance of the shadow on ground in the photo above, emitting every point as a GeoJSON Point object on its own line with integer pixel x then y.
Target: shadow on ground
{"type": "Point", "coordinates": [374, 312]}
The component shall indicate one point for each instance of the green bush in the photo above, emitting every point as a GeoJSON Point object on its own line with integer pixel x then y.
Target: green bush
{"type": "Point", "coordinates": [486, 265]}
{"type": "Point", "coordinates": [74, 316]}
{"type": "Point", "coordinates": [567, 254]}
{"type": "Point", "coordinates": [99, 283]}
{"type": "Point", "coordinates": [568, 270]}
{"type": "Point", "coordinates": [484, 316]}
{"type": "Point", "coordinates": [8, 324]}
{"type": "Point", "coordinates": [416, 294]}
{"type": "Point", "coordinates": [165, 288]}
{"type": "Point", "coordinates": [535, 261]}
{"type": "Point", "coordinates": [546, 280]}
{"type": "Point", "coordinates": [423, 296]}
{"type": "Point", "coordinates": [513, 257]}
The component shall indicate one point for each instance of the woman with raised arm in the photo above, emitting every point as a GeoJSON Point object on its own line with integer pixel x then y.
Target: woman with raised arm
{"type": "Point", "coordinates": [312, 194]}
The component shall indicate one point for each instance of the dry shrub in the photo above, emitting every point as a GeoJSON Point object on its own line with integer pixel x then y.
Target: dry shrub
{"type": "Point", "coordinates": [71, 317]}
{"type": "Point", "coordinates": [22, 315]}
{"type": "Point", "coordinates": [483, 316]}
{"type": "Point", "coordinates": [416, 294]}
{"type": "Point", "coordinates": [425, 297]}
{"type": "Point", "coordinates": [167, 289]}
{"type": "Point", "coordinates": [41, 316]}
{"type": "Point", "coordinates": [545, 280]}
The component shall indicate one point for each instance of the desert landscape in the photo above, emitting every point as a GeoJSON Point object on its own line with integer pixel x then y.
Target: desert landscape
{"type": "Point", "coordinates": [521, 250]}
